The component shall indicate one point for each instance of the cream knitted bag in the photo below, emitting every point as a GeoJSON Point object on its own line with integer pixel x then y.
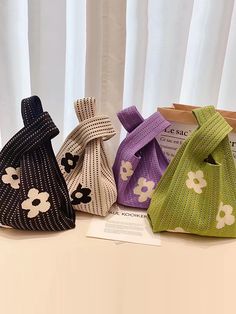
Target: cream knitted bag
{"type": "Point", "coordinates": [83, 161]}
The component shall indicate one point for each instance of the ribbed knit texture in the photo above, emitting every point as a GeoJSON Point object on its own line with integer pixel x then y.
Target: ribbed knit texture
{"type": "Point", "coordinates": [33, 193]}
{"type": "Point", "coordinates": [197, 193]}
{"type": "Point", "coordinates": [139, 162]}
{"type": "Point", "coordinates": [84, 163]}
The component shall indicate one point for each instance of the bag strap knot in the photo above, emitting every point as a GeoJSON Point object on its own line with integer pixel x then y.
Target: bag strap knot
{"type": "Point", "coordinates": [91, 126]}
{"type": "Point", "coordinates": [130, 118]}
{"type": "Point", "coordinates": [141, 131]}
{"type": "Point", "coordinates": [39, 128]}
{"type": "Point", "coordinates": [212, 131]}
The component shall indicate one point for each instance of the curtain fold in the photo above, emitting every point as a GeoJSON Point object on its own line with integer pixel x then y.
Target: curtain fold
{"type": "Point", "coordinates": [105, 57]}
{"type": "Point", "coordinates": [75, 60]}
{"type": "Point", "coordinates": [136, 49]}
{"type": "Point", "coordinates": [47, 47]}
{"type": "Point", "coordinates": [14, 65]}
{"type": "Point", "coordinates": [227, 92]}
{"type": "Point", "coordinates": [207, 42]}
{"type": "Point", "coordinates": [146, 53]}
{"type": "Point", "coordinates": [168, 26]}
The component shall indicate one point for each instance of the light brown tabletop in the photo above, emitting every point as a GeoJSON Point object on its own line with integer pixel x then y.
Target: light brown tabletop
{"type": "Point", "coordinates": [68, 273]}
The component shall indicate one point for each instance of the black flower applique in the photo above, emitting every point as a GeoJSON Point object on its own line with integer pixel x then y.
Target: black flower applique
{"type": "Point", "coordinates": [69, 161]}
{"type": "Point", "coordinates": [81, 195]}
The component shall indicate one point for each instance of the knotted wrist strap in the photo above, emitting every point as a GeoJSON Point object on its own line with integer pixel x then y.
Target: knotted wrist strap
{"type": "Point", "coordinates": [213, 129]}
{"type": "Point", "coordinates": [91, 127]}
{"type": "Point", "coordinates": [141, 131]}
{"type": "Point", "coordinates": [39, 128]}
{"type": "Point", "coordinates": [38, 124]}
{"type": "Point", "coordinates": [130, 118]}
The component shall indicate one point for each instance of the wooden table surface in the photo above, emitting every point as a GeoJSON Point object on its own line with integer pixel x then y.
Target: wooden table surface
{"type": "Point", "coordinates": [68, 273]}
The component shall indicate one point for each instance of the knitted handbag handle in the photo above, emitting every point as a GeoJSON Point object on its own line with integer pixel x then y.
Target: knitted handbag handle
{"type": "Point", "coordinates": [39, 128]}
{"type": "Point", "coordinates": [141, 131]}
{"type": "Point", "coordinates": [91, 127]}
{"type": "Point", "coordinates": [130, 118]}
{"type": "Point", "coordinates": [31, 109]}
{"type": "Point", "coordinates": [85, 108]}
{"type": "Point", "coordinates": [212, 131]}
{"type": "Point", "coordinates": [44, 130]}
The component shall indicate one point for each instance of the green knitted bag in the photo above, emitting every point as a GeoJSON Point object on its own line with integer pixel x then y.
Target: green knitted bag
{"type": "Point", "coordinates": [197, 193]}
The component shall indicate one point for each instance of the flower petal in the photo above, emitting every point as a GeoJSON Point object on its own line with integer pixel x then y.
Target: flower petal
{"type": "Point", "coordinates": [26, 204]}
{"type": "Point", "coordinates": [191, 175]}
{"type": "Point", "coordinates": [86, 199]}
{"type": "Point", "coordinates": [149, 193]}
{"type": "Point", "coordinates": [218, 217]}
{"type": "Point", "coordinates": [43, 196]}
{"type": "Point", "coordinates": [15, 184]}
{"type": "Point", "coordinates": [227, 209]}
{"type": "Point", "coordinates": [142, 198]}
{"type": "Point", "coordinates": [33, 193]}
{"type": "Point", "coordinates": [32, 213]}
{"type": "Point", "coordinates": [141, 181]}
{"type": "Point", "coordinates": [202, 183]}
{"type": "Point", "coordinates": [6, 179]}
{"type": "Point", "coordinates": [137, 190]}
{"type": "Point", "coordinates": [229, 220]}
{"type": "Point", "coordinates": [220, 224]}
{"type": "Point", "coordinates": [63, 161]}
{"type": "Point", "coordinates": [189, 183]}
{"type": "Point", "coordinates": [129, 171]}
{"type": "Point", "coordinates": [124, 176]}
{"type": "Point", "coordinates": [178, 229]}
{"type": "Point", "coordinates": [10, 171]}
{"type": "Point", "coordinates": [151, 185]}
{"type": "Point", "coordinates": [68, 156]}
{"type": "Point", "coordinates": [86, 191]}
{"type": "Point", "coordinates": [44, 207]}
{"type": "Point", "coordinates": [197, 189]}
{"type": "Point", "coordinates": [199, 175]}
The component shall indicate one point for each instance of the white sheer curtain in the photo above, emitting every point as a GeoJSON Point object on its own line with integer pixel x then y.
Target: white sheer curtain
{"type": "Point", "coordinates": [123, 52]}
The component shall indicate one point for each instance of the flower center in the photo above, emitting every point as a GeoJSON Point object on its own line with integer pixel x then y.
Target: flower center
{"type": "Point", "coordinates": [124, 169]}
{"type": "Point", "coordinates": [36, 202]}
{"type": "Point", "coordinates": [70, 162]}
{"type": "Point", "coordinates": [222, 214]}
{"type": "Point", "coordinates": [14, 177]}
{"type": "Point", "coordinates": [144, 189]}
{"type": "Point", "coordinates": [196, 181]}
{"type": "Point", "coordinates": [78, 195]}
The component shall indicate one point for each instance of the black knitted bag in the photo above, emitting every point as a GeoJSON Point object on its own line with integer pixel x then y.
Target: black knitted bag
{"type": "Point", "coordinates": [33, 193]}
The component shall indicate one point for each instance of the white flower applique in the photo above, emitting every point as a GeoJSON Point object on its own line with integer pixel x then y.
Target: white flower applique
{"type": "Point", "coordinates": [224, 216]}
{"type": "Point", "coordinates": [126, 170]}
{"type": "Point", "coordinates": [196, 181]}
{"type": "Point", "coordinates": [12, 177]}
{"type": "Point", "coordinates": [178, 229]}
{"type": "Point", "coordinates": [36, 202]}
{"type": "Point", "coordinates": [144, 189]}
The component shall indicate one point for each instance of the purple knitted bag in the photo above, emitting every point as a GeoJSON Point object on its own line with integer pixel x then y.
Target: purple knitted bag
{"type": "Point", "coordinates": [139, 162]}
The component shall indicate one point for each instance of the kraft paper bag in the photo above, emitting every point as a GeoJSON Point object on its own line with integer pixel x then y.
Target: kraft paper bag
{"type": "Point", "coordinates": [183, 123]}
